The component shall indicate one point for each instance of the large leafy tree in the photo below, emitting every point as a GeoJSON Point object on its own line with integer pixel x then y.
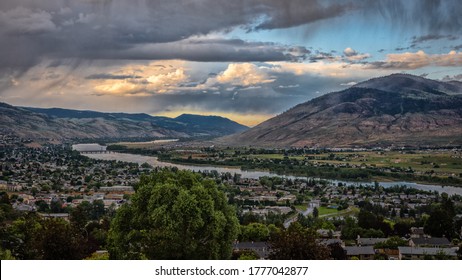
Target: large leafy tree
{"type": "Point", "coordinates": [24, 238]}
{"type": "Point", "coordinates": [441, 220]}
{"type": "Point", "coordinates": [337, 252]}
{"type": "Point", "coordinates": [61, 241]}
{"type": "Point", "coordinates": [254, 232]}
{"type": "Point", "coordinates": [174, 215]}
{"type": "Point", "coordinates": [297, 243]}
{"type": "Point", "coordinates": [439, 223]}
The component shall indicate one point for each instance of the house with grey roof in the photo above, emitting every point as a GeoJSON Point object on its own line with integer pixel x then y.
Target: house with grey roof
{"type": "Point", "coordinates": [417, 253]}
{"type": "Point", "coordinates": [430, 242]}
{"type": "Point", "coordinates": [369, 241]}
{"type": "Point", "coordinates": [261, 248]}
{"type": "Point", "coordinates": [361, 252]}
{"type": "Point", "coordinates": [331, 241]}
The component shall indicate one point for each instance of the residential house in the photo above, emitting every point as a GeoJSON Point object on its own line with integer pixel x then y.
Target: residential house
{"type": "Point", "coordinates": [392, 254]}
{"type": "Point", "coordinates": [64, 216]}
{"type": "Point", "coordinates": [369, 241]}
{"type": "Point", "coordinates": [261, 248]}
{"type": "Point", "coordinates": [416, 253]}
{"type": "Point", "coordinates": [361, 252]}
{"type": "Point", "coordinates": [331, 241]}
{"type": "Point", "coordinates": [435, 242]}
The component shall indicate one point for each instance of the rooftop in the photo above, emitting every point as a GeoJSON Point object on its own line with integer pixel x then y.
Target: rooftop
{"type": "Point", "coordinates": [359, 250]}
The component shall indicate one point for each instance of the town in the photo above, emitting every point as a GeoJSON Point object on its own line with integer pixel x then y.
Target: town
{"type": "Point", "coordinates": [51, 183]}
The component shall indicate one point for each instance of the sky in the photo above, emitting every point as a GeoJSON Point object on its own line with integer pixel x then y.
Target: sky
{"type": "Point", "coordinates": [247, 60]}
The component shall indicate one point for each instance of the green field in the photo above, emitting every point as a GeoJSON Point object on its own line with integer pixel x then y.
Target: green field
{"type": "Point", "coordinates": [329, 212]}
{"type": "Point", "coordinates": [326, 211]}
{"type": "Point", "coordinates": [301, 207]}
{"type": "Point", "coordinates": [443, 163]}
{"type": "Point", "coordinates": [275, 156]}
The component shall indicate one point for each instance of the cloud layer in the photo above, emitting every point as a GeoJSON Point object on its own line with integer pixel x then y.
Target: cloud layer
{"type": "Point", "coordinates": [156, 29]}
{"type": "Point", "coordinates": [253, 57]}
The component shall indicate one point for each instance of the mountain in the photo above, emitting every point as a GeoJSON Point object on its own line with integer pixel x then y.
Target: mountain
{"type": "Point", "coordinates": [399, 110]}
{"type": "Point", "coordinates": [60, 123]}
{"type": "Point", "coordinates": [204, 124]}
{"type": "Point", "coordinates": [187, 125]}
{"type": "Point", "coordinates": [410, 84]}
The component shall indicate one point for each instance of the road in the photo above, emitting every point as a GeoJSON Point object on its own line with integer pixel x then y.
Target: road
{"type": "Point", "coordinates": [308, 211]}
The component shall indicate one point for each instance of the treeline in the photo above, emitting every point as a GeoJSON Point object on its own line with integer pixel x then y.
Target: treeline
{"type": "Point", "coordinates": [136, 151]}
{"type": "Point", "coordinates": [30, 236]}
{"type": "Point", "coordinates": [302, 169]}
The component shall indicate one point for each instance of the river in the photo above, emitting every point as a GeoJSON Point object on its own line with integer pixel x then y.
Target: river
{"type": "Point", "coordinates": [257, 174]}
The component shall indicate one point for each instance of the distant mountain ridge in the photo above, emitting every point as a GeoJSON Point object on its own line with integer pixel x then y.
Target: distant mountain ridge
{"type": "Point", "coordinates": [406, 83]}
{"type": "Point", "coordinates": [400, 110]}
{"type": "Point", "coordinates": [61, 123]}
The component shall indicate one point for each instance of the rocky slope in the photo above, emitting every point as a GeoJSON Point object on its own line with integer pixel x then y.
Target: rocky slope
{"type": "Point", "coordinates": [399, 110]}
{"type": "Point", "coordinates": [59, 123]}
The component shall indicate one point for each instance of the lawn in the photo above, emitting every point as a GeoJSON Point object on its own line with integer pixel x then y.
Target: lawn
{"type": "Point", "coordinates": [346, 212]}
{"type": "Point", "coordinates": [302, 207]}
{"type": "Point", "coordinates": [326, 211]}
{"type": "Point", "coordinates": [441, 162]}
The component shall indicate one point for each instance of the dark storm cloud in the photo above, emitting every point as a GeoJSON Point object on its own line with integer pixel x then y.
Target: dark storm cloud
{"type": "Point", "coordinates": [435, 16]}
{"type": "Point", "coordinates": [59, 29]}
{"type": "Point", "coordinates": [283, 14]}
{"type": "Point", "coordinates": [431, 37]}
{"type": "Point", "coordinates": [138, 29]}
{"type": "Point", "coordinates": [209, 51]}
{"type": "Point", "coordinates": [287, 91]}
{"type": "Point", "coordinates": [418, 40]}
{"type": "Point", "coordinates": [320, 55]}
{"type": "Point", "coordinates": [252, 101]}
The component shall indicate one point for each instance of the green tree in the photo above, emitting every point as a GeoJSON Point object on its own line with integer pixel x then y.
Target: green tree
{"type": "Point", "coordinates": [6, 210]}
{"type": "Point", "coordinates": [24, 238]}
{"type": "Point", "coordinates": [350, 229]}
{"type": "Point", "coordinates": [6, 254]}
{"type": "Point", "coordinates": [315, 212]}
{"type": "Point", "coordinates": [81, 215]}
{"type": "Point", "coordinates": [439, 223]}
{"type": "Point", "coordinates": [392, 243]}
{"type": "Point", "coordinates": [98, 256]}
{"type": "Point", "coordinates": [42, 206]}
{"type": "Point", "coordinates": [247, 255]}
{"type": "Point", "coordinates": [174, 215]}
{"type": "Point", "coordinates": [297, 243]}
{"type": "Point", "coordinates": [60, 241]}
{"type": "Point", "coordinates": [337, 252]}
{"type": "Point", "coordinates": [402, 227]}
{"type": "Point", "coordinates": [146, 165]}
{"type": "Point", "coordinates": [254, 232]}
{"type": "Point", "coordinates": [97, 209]}
{"type": "Point", "coordinates": [367, 219]}
{"type": "Point", "coordinates": [56, 206]}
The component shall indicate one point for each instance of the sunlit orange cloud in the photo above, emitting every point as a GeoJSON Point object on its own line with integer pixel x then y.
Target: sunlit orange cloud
{"type": "Point", "coordinates": [243, 74]}
{"type": "Point", "coordinates": [156, 77]}
{"type": "Point", "coordinates": [166, 77]}
{"type": "Point", "coordinates": [326, 69]}
{"type": "Point", "coordinates": [421, 59]}
{"type": "Point", "coordinates": [245, 119]}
